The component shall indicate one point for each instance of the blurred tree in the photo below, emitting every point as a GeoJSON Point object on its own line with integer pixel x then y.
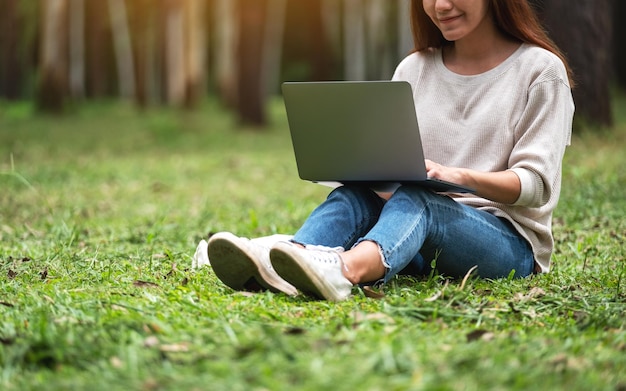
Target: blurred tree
{"type": "Point", "coordinates": [53, 85]}
{"type": "Point", "coordinates": [405, 38]}
{"type": "Point", "coordinates": [328, 33]}
{"type": "Point", "coordinates": [323, 22]}
{"type": "Point", "coordinates": [273, 46]}
{"type": "Point", "coordinates": [185, 51]}
{"type": "Point", "coordinates": [98, 49]}
{"type": "Point", "coordinates": [582, 29]}
{"type": "Point", "coordinates": [380, 54]}
{"type": "Point", "coordinates": [175, 52]}
{"type": "Point", "coordinates": [122, 48]}
{"type": "Point", "coordinates": [10, 64]}
{"type": "Point", "coordinates": [195, 51]}
{"type": "Point", "coordinates": [373, 32]}
{"type": "Point", "coordinates": [142, 21]}
{"type": "Point", "coordinates": [158, 50]}
{"type": "Point", "coordinates": [354, 59]}
{"type": "Point", "coordinates": [312, 40]}
{"type": "Point", "coordinates": [26, 33]}
{"type": "Point", "coordinates": [77, 48]}
{"type": "Point", "coordinates": [226, 41]}
{"type": "Point", "coordinates": [619, 41]}
{"type": "Point", "coordinates": [250, 97]}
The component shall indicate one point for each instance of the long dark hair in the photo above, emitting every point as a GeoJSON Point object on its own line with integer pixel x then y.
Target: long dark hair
{"type": "Point", "coordinates": [515, 18]}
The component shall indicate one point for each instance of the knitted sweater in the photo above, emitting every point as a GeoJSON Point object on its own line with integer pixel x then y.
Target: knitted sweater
{"type": "Point", "coordinates": [516, 116]}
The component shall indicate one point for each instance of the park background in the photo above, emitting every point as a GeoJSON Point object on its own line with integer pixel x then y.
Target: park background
{"type": "Point", "coordinates": [178, 52]}
{"type": "Point", "coordinates": [132, 129]}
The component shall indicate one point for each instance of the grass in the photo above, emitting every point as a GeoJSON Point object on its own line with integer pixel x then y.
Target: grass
{"type": "Point", "coordinates": [100, 212]}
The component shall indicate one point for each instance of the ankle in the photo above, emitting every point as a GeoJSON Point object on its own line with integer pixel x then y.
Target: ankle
{"type": "Point", "coordinates": [348, 273]}
{"type": "Point", "coordinates": [363, 263]}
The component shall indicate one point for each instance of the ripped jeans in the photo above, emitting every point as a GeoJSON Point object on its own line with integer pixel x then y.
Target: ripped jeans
{"type": "Point", "coordinates": [416, 226]}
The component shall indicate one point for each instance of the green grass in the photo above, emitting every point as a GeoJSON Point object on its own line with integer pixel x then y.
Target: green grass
{"type": "Point", "coordinates": [100, 212]}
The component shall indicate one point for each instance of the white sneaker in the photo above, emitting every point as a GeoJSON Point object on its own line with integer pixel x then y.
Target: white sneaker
{"type": "Point", "coordinates": [316, 271]}
{"type": "Point", "coordinates": [201, 256]}
{"type": "Point", "coordinates": [245, 265]}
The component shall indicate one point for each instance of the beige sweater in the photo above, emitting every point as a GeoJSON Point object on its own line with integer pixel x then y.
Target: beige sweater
{"type": "Point", "coordinates": [517, 116]}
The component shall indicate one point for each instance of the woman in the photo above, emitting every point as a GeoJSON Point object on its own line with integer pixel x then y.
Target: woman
{"type": "Point", "coordinates": [492, 93]}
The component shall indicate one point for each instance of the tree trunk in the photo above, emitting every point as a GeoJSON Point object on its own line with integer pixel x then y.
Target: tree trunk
{"type": "Point", "coordinates": [313, 40]}
{"type": "Point", "coordinates": [77, 48]}
{"type": "Point", "coordinates": [10, 69]}
{"type": "Point", "coordinates": [324, 24]}
{"type": "Point", "coordinates": [379, 57]}
{"type": "Point", "coordinates": [98, 46]}
{"type": "Point", "coordinates": [354, 40]}
{"type": "Point", "coordinates": [583, 31]}
{"type": "Point", "coordinates": [195, 52]}
{"type": "Point", "coordinates": [251, 102]}
{"type": "Point", "coordinates": [619, 43]}
{"type": "Point", "coordinates": [226, 41]}
{"type": "Point", "coordinates": [405, 37]}
{"type": "Point", "coordinates": [141, 18]}
{"type": "Point", "coordinates": [175, 53]}
{"type": "Point", "coordinates": [272, 46]}
{"type": "Point", "coordinates": [331, 23]}
{"type": "Point", "coordinates": [123, 48]}
{"type": "Point", "coordinates": [157, 54]}
{"type": "Point", "coordinates": [53, 85]}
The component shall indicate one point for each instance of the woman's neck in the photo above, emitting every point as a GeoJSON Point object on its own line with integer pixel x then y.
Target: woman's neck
{"type": "Point", "coordinates": [484, 49]}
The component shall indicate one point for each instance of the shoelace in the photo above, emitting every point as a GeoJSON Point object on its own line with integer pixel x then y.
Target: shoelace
{"type": "Point", "coordinates": [317, 247]}
{"type": "Point", "coordinates": [325, 256]}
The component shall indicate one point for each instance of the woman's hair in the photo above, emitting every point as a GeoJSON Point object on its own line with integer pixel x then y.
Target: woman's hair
{"type": "Point", "coordinates": [515, 18]}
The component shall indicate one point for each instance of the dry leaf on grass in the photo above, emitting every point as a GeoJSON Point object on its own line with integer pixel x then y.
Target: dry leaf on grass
{"type": "Point", "coordinates": [145, 284]}
{"type": "Point", "coordinates": [372, 293]}
{"type": "Point", "coordinates": [483, 335]}
{"type": "Point", "coordinates": [175, 347]}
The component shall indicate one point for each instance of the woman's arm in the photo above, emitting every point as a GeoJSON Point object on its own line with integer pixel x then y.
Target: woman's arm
{"type": "Point", "coordinates": [502, 186]}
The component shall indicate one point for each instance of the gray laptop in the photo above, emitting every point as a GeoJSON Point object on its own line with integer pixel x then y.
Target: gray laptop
{"type": "Point", "coordinates": [362, 133]}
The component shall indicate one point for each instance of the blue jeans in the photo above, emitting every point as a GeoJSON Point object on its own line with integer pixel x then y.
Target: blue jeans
{"type": "Point", "coordinates": [416, 226]}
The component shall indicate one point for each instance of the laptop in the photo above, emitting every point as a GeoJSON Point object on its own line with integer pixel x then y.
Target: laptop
{"type": "Point", "coordinates": [359, 133]}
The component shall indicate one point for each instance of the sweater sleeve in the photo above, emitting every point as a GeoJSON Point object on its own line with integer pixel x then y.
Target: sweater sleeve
{"type": "Point", "coordinates": [542, 134]}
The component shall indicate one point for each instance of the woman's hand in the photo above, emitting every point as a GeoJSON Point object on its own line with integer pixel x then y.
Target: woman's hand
{"type": "Point", "coordinates": [501, 186]}
{"type": "Point", "coordinates": [450, 174]}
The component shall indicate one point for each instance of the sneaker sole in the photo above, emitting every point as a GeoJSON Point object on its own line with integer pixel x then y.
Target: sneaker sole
{"type": "Point", "coordinates": [236, 267]}
{"type": "Point", "coordinates": [288, 263]}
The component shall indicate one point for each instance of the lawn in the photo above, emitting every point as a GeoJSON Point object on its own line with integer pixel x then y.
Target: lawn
{"type": "Point", "coordinates": [101, 210]}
